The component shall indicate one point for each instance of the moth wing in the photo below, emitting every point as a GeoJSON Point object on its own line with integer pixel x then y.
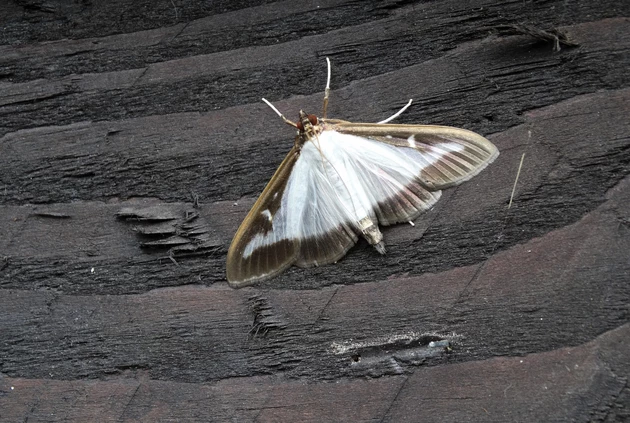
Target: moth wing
{"type": "Point", "coordinates": [374, 179]}
{"type": "Point", "coordinates": [296, 220]}
{"type": "Point", "coordinates": [316, 214]}
{"type": "Point", "coordinates": [451, 155]}
{"type": "Point", "coordinates": [309, 212]}
{"type": "Point", "coordinates": [397, 171]}
{"type": "Point", "coordinates": [262, 247]}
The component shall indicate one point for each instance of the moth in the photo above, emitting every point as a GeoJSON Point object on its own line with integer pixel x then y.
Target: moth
{"type": "Point", "coordinates": [341, 180]}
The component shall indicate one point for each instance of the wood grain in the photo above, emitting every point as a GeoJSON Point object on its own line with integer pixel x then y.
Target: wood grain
{"type": "Point", "coordinates": [133, 142]}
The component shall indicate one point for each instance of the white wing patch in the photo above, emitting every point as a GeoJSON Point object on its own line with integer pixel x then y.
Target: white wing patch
{"type": "Point", "coordinates": [340, 179]}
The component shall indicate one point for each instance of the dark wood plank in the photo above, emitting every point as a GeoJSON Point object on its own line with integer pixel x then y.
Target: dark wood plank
{"type": "Point", "coordinates": [579, 383]}
{"type": "Point", "coordinates": [504, 305]}
{"type": "Point", "coordinates": [576, 146]}
{"type": "Point", "coordinates": [133, 142]}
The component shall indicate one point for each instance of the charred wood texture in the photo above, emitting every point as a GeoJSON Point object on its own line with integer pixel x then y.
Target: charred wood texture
{"type": "Point", "coordinates": [133, 142]}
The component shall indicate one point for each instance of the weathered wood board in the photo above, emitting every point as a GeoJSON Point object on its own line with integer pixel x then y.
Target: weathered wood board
{"type": "Point", "coordinates": [133, 142]}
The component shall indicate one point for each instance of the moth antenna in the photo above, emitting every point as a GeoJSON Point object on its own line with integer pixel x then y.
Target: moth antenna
{"type": "Point", "coordinates": [327, 90]}
{"type": "Point", "coordinates": [287, 121]}
{"type": "Point", "coordinates": [398, 113]}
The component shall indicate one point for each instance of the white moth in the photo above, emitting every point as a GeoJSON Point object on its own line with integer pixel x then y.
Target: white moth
{"type": "Point", "coordinates": [340, 181]}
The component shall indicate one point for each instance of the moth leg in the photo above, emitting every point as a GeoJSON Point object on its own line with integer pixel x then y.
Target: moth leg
{"type": "Point", "coordinates": [398, 113]}
{"type": "Point", "coordinates": [327, 90]}
{"type": "Point", "coordinates": [287, 121]}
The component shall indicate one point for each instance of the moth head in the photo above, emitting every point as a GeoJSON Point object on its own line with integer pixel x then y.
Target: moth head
{"type": "Point", "coordinates": [306, 122]}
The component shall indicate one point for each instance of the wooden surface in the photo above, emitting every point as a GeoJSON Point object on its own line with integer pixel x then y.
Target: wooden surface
{"type": "Point", "coordinates": [133, 142]}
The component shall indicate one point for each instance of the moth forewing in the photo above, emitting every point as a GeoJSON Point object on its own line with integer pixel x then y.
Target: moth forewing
{"type": "Point", "coordinates": [259, 249]}
{"type": "Point", "coordinates": [457, 154]}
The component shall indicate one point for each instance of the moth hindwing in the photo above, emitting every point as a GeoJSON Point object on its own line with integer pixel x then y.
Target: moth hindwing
{"type": "Point", "coordinates": [341, 180]}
